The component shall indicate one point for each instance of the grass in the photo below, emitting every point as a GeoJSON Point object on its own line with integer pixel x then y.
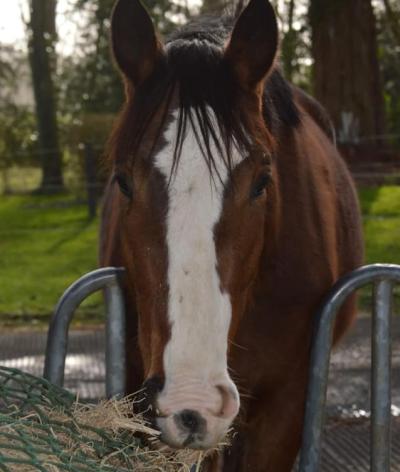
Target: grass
{"type": "Point", "coordinates": [380, 207]}
{"type": "Point", "coordinates": [48, 242]}
{"type": "Point", "coordinates": [381, 211]}
{"type": "Point", "coordinates": [45, 244]}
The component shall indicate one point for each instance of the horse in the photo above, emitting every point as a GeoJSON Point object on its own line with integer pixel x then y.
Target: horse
{"type": "Point", "coordinates": [233, 214]}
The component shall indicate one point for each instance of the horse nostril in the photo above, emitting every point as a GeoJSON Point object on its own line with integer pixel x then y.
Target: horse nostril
{"type": "Point", "coordinates": [230, 401]}
{"type": "Point", "coordinates": [190, 421]}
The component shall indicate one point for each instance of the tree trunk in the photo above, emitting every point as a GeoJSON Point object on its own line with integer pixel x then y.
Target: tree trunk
{"type": "Point", "coordinates": [42, 37]}
{"type": "Point", "coordinates": [346, 71]}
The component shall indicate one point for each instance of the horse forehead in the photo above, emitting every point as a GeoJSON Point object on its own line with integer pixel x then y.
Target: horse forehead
{"type": "Point", "coordinates": [193, 172]}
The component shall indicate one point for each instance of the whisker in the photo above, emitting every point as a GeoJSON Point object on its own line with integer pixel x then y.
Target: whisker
{"type": "Point", "coordinates": [234, 343]}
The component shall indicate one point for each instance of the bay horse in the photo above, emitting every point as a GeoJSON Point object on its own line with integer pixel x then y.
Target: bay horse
{"type": "Point", "coordinates": [233, 214]}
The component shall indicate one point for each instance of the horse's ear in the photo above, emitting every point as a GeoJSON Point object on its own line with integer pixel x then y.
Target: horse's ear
{"type": "Point", "coordinates": [135, 44]}
{"type": "Point", "coordinates": [254, 43]}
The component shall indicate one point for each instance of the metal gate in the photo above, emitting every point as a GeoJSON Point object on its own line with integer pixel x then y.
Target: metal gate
{"type": "Point", "coordinates": [107, 279]}
{"type": "Point", "coordinates": [382, 276]}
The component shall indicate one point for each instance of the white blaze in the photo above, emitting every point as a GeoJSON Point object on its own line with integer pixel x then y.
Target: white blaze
{"type": "Point", "coordinates": [199, 313]}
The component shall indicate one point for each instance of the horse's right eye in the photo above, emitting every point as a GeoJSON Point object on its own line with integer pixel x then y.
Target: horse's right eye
{"type": "Point", "coordinates": [259, 186]}
{"type": "Point", "coordinates": [124, 185]}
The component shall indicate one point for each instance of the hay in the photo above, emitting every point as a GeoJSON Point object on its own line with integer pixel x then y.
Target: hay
{"type": "Point", "coordinates": [115, 416]}
{"type": "Point", "coordinates": [77, 437]}
{"type": "Point", "coordinates": [111, 417]}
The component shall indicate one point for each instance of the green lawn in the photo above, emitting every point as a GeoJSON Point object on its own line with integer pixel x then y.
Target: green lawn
{"type": "Point", "coordinates": [381, 209]}
{"type": "Point", "coordinates": [381, 213]}
{"type": "Point", "coordinates": [48, 242]}
{"type": "Point", "coordinates": [45, 244]}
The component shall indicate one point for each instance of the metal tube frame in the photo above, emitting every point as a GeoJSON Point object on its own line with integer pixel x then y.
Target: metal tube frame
{"type": "Point", "coordinates": [380, 376]}
{"type": "Point", "coordinates": [383, 276]}
{"type": "Point", "coordinates": [107, 278]}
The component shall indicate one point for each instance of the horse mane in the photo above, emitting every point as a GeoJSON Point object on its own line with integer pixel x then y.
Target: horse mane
{"type": "Point", "coordinates": [193, 67]}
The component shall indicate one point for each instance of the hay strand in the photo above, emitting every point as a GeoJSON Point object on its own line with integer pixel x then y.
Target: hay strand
{"type": "Point", "coordinates": [40, 433]}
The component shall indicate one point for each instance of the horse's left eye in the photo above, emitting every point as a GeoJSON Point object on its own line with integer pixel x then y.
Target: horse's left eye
{"type": "Point", "coordinates": [259, 186]}
{"type": "Point", "coordinates": [124, 185]}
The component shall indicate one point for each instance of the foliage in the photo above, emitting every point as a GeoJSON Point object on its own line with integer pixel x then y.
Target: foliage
{"type": "Point", "coordinates": [18, 142]}
{"type": "Point", "coordinates": [89, 81]}
{"type": "Point", "coordinates": [295, 43]}
{"type": "Point", "coordinates": [166, 14]}
{"type": "Point", "coordinates": [90, 84]}
{"type": "Point", "coordinates": [18, 137]}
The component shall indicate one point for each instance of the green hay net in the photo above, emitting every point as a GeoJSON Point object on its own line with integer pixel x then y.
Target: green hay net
{"type": "Point", "coordinates": [33, 439]}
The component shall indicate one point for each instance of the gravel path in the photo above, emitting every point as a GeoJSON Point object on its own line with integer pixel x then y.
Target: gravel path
{"type": "Point", "coordinates": [349, 384]}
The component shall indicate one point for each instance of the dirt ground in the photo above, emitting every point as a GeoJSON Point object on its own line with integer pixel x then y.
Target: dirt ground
{"type": "Point", "coordinates": [349, 384]}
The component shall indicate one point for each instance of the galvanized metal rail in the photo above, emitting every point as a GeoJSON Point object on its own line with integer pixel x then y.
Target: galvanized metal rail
{"type": "Point", "coordinates": [383, 276]}
{"type": "Point", "coordinates": [57, 339]}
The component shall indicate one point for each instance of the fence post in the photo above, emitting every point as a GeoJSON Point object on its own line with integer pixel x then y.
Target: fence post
{"type": "Point", "coordinates": [115, 340]}
{"type": "Point", "coordinates": [380, 378]}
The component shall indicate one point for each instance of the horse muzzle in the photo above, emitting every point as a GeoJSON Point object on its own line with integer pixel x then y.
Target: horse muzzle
{"type": "Point", "coordinates": [195, 414]}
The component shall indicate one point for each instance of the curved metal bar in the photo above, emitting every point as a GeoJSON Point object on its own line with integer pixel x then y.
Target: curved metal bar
{"type": "Point", "coordinates": [381, 400]}
{"type": "Point", "coordinates": [320, 356]}
{"type": "Point", "coordinates": [115, 341]}
{"type": "Point", "coordinates": [57, 339]}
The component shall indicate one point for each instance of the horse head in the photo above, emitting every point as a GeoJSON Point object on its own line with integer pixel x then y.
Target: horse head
{"type": "Point", "coordinates": [191, 157]}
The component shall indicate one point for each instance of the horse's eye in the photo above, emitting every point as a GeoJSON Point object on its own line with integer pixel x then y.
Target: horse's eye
{"type": "Point", "coordinates": [124, 185]}
{"type": "Point", "coordinates": [259, 186]}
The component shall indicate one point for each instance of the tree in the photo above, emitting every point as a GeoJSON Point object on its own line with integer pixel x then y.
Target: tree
{"type": "Point", "coordinates": [42, 38]}
{"type": "Point", "coordinates": [18, 144]}
{"type": "Point", "coordinates": [89, 81]}
{"type": "Point", "coordinates": [393, 20]}
{"type": "Point", "coordinates": [389, 40]}
{"type": "Point", "coordinates": [346, 70]}
{"type": "Point", "coordinates": [289, 43]}
{"type": "Point", "coordinates": [17, 140]}
{"type": "Point", "coordinates": [295, 43]}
